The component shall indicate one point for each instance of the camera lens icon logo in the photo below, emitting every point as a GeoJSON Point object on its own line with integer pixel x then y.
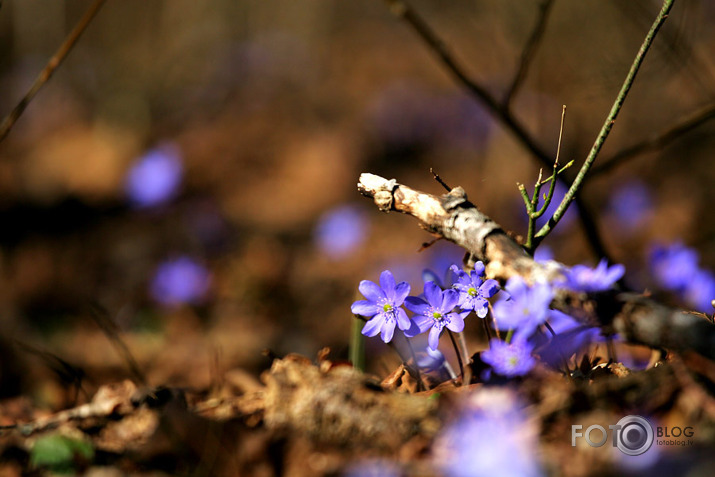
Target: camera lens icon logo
{"type": "Point", "coordinates": [635, 435]}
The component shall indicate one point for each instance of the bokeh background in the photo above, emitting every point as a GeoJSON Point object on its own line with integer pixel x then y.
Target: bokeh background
{"type": "Point", "coordinates": [186, 180]}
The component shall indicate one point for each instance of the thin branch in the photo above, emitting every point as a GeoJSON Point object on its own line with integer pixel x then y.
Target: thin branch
{"type": "Point", "coordinates": [665, 137]}
{"type": "Point", "coordinates": [610, 121]}
{"type": "Point", "coordinates": [529, 52]}
{"type": "Point", "coordinates": [50, 68]}
{"type": "Point", "coordinates": [439, 179]}
{"type": "Point", "coordinates": [405, 12]}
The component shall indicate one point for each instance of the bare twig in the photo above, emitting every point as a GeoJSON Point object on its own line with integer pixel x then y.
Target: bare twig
{"type": "Point", "coordinates": [404, 11]}
{"type": "Point", "coordinates": [50, 68]}
{"type": "Point", "coordinates": [665, 137]}
{"type": "Point", "coordinates": [635, 318]}
{"type": "Point", "coordinates": [529, 51]}
{"type": "Point", "coordinates": [111, 331]}
{"type": "Point", "coordinates": [610, 121]}
{"type": "Point", "coordinates": [439, 179]}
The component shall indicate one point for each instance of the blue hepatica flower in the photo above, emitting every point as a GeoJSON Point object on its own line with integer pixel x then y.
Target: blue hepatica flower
{"type": "Point", "coordinates": [340, 231]}
{"type": "Point", "coordinates": [673, 266]}
{"type": "Point", "coordinates": [155, 177]}
{"type": "Point", "coordinates": [383, 304]}
{"type": "Point", "coordinates": [491, 436]}
{"type": "Point", "coordinates": [179, 281]}
{"type": "Point", "coordinates": [700, 292]}
{"type": "Point", "coordinates": [587, 279]}
{"type": "Point", "coordinates": [525, 309]}
{"type": "Point", "coordinates": [630, 204]}
{"type": "Point", "coordinates": [473, 291]}
{"type": "Point", "coordinates": [572, 338]}
{"type": "Point", "coordinates": [509, 359]}
{"type": "Point", "coordinates": [435, 313]}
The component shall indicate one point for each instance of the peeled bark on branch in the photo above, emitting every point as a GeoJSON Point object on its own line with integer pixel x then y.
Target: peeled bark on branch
{"type": "Point", "coordinates": [635, 318]}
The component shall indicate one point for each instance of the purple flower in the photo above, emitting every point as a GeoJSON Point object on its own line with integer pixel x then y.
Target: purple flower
{"type": "Point", "coordinates": [525, 309]}
{"type": "Point", "coordinates": [509, 359]}
{"type": "Point", "coordinates": [543, 254]}
{"type": "Point", "coordinates": [571, 339]}
{"type": "Point", "coordinates": [700, 292]}
{"type": "Point", "coordinates": [587, 279]}
{"type": "Point", "coordinates": [179, 281]}
{"type": "Point", "coordinates": [630, 204]}
{"type": "Point", "coordinates": [491, 436]}
{"type": "Point", "coordinates": [340, 231]}
{"type": "Point", "coordinates": [673, 266]}
{"type": "Point", "coordinates": [383, 304]}
{"type": "Point", "coordinates": [435, 313]}
{"type": "Point", "coordinates": [155, 177]}
{"type": "Point", "coordinates": [473, 292]}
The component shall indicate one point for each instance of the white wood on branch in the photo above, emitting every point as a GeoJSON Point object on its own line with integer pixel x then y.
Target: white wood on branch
{"type": "Point", "coordinates": [634, 317]}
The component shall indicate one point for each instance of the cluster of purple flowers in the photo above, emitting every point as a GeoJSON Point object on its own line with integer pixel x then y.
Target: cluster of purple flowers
{"type": "Point", "coordinates": [675, 268]}
{"type": "Point", "coordinates": [521, 311]}
{"type": "Point", "coordinates": [434, 310]}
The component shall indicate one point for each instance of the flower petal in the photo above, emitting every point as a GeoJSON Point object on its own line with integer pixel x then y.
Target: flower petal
{"type": "Point", "coordinates": [433, 293]}
{"type": "Point", "coordinates": [364, 308]}
{"type": "Point", "coordinates": [401, 291]}
{"type": "Point", "coordinates": [489, 288]}
{"type": "Point", "coordinates": [387, 283]}
{"type": "Point", "coordinates": [374, 326]}
{"type": "Point", "coordinates": [479, 268]}
{"type": "Point", "coordinates": [423, 322]}
{"type": "Point", "coordinates": [413, 330]}
{"type": "Point", "coordinates": [371, 291]}
{"type": "Point", "coordinates": [417, 305]}
{"type": "Point", "coordinates": [456, 322]}
{"type": "Point", "coordinates": [482, 308]}
{"type": "Point", "coordinates": [450, 298]}
{"type": "Point", "coordinates": [403, 322]}
{"type": "Point", "coordinates": [388, 330]}
{"type": "Point", "coordinates": [433, 338]}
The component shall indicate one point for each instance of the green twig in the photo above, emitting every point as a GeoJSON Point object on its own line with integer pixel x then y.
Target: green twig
{"type": "Point", "coordinates": [608, 124]}
{"type": "Point", "coordinates": [533, 212]}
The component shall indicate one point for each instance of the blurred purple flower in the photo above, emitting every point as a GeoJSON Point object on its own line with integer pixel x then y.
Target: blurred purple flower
{"type": "Point", "coordinates": [572, 338]}
{"type": "Point", "coordinates": [525, 309]}
{"type": "Point", "coordinates": [179, 281]}
{"type": "Point", "coordinates": [491, 436]}
{"type": "Point", "coordinates": [673, 266]}
{"type": "Point", "coordinates": [587, 279]}
{"type": "Point", "coordinates": [543, 254]}
{"type": "Point", "coordinates": [630, 204]}
{"type": "Point", "coordinates": [509, 359]}
{"type": "Point", "coordinates": [340, 231]}
{"type": "Point", "coordinates": [384, 304]}
{"type": "Point", "coordinates": [700, 292]}
{"type": "Point", "coordinates": [473, 291]}
{"type": "Point", "coordinates": [373, 468]}
{"type": "Point", "coordinates": [155, 177]}
{"type": "Point", "coordinates": [435, 313]}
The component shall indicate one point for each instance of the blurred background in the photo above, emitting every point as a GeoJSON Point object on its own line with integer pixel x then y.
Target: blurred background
{"type": "Point", "coordinates": [186, 180]}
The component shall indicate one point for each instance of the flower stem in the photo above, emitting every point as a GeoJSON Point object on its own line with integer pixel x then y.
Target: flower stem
{"type": "Point", "coordinates": [459, 354]}
{"type": "Point", "coordinates": [356, 351]}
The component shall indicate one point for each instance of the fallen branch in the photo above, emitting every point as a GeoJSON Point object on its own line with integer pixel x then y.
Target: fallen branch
{"type": "Point", "coordinates": [634, 317]}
